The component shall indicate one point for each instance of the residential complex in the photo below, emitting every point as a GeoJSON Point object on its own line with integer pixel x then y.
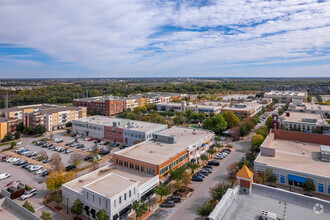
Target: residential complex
{"type": "Point", "coordinates": [167, 150]}
{"type": "Point", "coordinates": [244, 110]}
{"type": "Point", "coordinates": [111, 106]}
{"type": "Point", "coordinates": [112, 188]}
{"type": "Point", "coordinates": [53, 117]}
{"type": "Point", "coordinates": [116, 129]}
{"type": "Point", "coordinates": [310, 108]}
{"type": "Point", "coordinates": [184, 106]}
{"type": "Point", "coordinates": [306, 122]}
{"type": "Point", "coordinates": [294, 157]}
{"type": "Point", "coordinates": [287, 96]}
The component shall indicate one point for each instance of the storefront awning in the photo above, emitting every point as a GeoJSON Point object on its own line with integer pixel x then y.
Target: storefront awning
{"type": "Point", "coordinates": [203, 144]}
{"type": "Point", "coordinates": [295, 178]}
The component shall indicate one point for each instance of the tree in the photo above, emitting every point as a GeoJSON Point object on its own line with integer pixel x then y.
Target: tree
{"type": "Point", "coordinates": [28, 206]}
{"type": "Point", "coordinates": [17, 135]}
{"type": "Point", "coordinates": [192, 166]}
{"type": "Point", "coordinates": [270, 176]}
{"type": "Point", "coordinates": [76, 159]}
{"type": "Point", "coordinates": [56, 162]}
{"type": "Point", "coordinates": [12, 144]}
{"type": "Point", "coordinates": [211, 151]}
{"type": "Point", "coordinates": [68, 131]}
{"type": "Point", "coordinates": [246, 128]}
{"type": "Point", "coordinates": [204, 158]}
{"type": "Point", "coordinates": [43, 154]}
{"type": "Point", "coordinates": [20, 127]}
{"type": "Point", "coordinates": [185, 178]}
{"type": "Point", "coordinates": [206, 209]}
{"type": "Point", "coordinates": [58, 198]}
{"type": "Point", "coordinates": [218, 191]}
{"type": "Point", "coordinates": [179, 120]}
{"type": "Point", "coordinates": [231, 119]}
{"type": "Point", "coordinates": [46, 215]}
{"type": "Point", "coordinates": [68, 124]}
{"type": "Point", "coordinates": [102, 215]}
{"type": "Point", "coordinates": [269, 122]}
{"type": "Point", "coordinates": [77, 207]}
{"type": "Point", "coordinates": [189, 114]}
{"type": "Point", "coordinates": [218, 146]}
{"type": "Point", "coordinates": [217, 124]}
{"type": "Point", "coordinates": [232, 170]}
{"type": "Point", "coordinates": [263, 130]}
{"type": "Point", "coordinates": [162, 190]}
{"type": "Point", "coordinates": [94, 150]}
{"type": "Point", "coordinates": [140, 208]}
{"type": "Point", "coordinates": [308, 185]}
{"type": "Point", "coordinates": [39, 129]}
{"type": "Point", "coordinates": [177, 175]}
{"type": "Point", "coordinates": [201, 117]}
{"type": "Point", "coordinates": [257, 140]}
{"type": "Point", "coordinates": [8, 137]}
{"type": "Point", "coordinates": [56, 179]}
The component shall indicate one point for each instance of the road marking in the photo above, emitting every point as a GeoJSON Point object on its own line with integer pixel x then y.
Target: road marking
{"type": "Point", "coordinates": [40, 207]}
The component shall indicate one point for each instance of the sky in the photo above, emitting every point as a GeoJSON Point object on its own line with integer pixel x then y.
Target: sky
{"type": "Point", "coordinates": [164, 38]}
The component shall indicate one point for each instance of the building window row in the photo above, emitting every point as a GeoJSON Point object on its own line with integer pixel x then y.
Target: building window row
{"type": "Point", "coordinates": [183, 158]}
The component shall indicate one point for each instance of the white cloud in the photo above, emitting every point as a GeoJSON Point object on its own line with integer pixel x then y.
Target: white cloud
{"type": "Point", "coordinates": [114, 36]}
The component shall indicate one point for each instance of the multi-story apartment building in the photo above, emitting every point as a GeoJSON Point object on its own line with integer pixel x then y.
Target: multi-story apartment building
{"type": "Point", "coordinates": [294, 157]}
{"type": "Point", "coordinates": [287, 96]}
{"type": "Point", "coordinates": [111, 188]}
{"type": "Point", "coordinates": [116, 129]}
{"type": "Point", "coordinates": [305, 122]}
{"type": "Point", "coordinates": [184, 106]}
{"type": "Point", "coordinates": [8, 126]}
{"type": "Point", "coordinates": [244, 110]}
{"type": "Point", "coordinates": [105, 105]}
{"type": "Point", "coordinates": [167, 150]}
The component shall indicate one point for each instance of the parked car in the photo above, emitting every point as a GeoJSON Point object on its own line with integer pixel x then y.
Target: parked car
{"type": "Point", "coordinates": [41, 171]}
{"type": "Point", "coordinates": [91, 139]}
{"type": "Point", "coordinates": [58, 140]}
{"type": "Point", "coordinates": [17, 162]}
{"type": "Point", "coordinates": [19, 143]}
{"type": "Point", "coordinates": [86, 139]}
{"type": "Point", "coordinates": [67, 151]}
{"type": "Point", "coordinates": [13, 182]}
{"type": "Point", "coordinates": [103, 143]}
{"type": "Point", "coordinates": [19, 149]}
{"type": "Point", "coordinates": [207, 166]}
{"type": "Point", "coordinates": [87, 158]}
{"type": "Point", "coordinates": [70, 167]}
{"type": "Point", "coordinates": [35, 168]}
{"type": "Point", "coordinates": [4, 176]}
{"type": "Point", "coordinates": [79, 136]}
{"type": "Point", "coordinates": [204, 172]}
{"type": "Point", "coordinates": [26, 165]}
{"type": "Point", "coordinates": [45, 173]}
{"type": "Point", "coordinates": [207, 170]}
{"type": "Point", "coordinates": [28, 194]}
{"type": "Point", "coordinates": [47, 160]}
{"type": "Point", "coordinates": [174, 198]}
{"type": "Point", "coordinates": [197, 179]}
{"type": "Point", "coordinates": [213, 163]}
{"type": "Point", "coordinates": [219, 157]}
{"type": "Point", "coordinates": [167, 204]}
{"type": "Point", "coordinates": [104, 152]}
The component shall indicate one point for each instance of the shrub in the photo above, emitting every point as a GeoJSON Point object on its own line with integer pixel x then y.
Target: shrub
{"type": "Point", "coordinates": [28, 206]}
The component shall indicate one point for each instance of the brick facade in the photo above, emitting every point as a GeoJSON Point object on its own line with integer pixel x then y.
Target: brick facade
{"type": "Point", "coordinates": [302, 137]}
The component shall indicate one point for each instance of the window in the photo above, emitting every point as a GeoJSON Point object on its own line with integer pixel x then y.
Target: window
{"type": "Point", "coordinates": [153, 172]}
{"type": "Point", "coordinates": [114, 203]}
{"type": "Point", "coordinates": [126, 164]}
{"type": "Point", "coordinates": [134, 191]}
{"type": "Point", "coordinates": [282, 179]}
{"type": "Point", "coordinates": [131, 165]}
{"type": "Point", "coordinates": [137, 167]}
{"type": "Point", "coordinates": [125, 196]}
{"type": "Point", "coordinates": [120, 162]}
{"type": "Point", "coordinates": [320, 187]}
{"type": "Point", "coordinates": [106, 204]}
{"type": "Point", "coordinates": [130, 193]}
{"type": "Point", "coordinates": [116, 161]}
{"type": "Point", "coordinates": [119, 199]}
{"type": "Point", "coordinates": [142, 169]}
{"type": "Point", "coordinates": [99, 200]}
{"type": "Point", "coordinates": [93, 198]}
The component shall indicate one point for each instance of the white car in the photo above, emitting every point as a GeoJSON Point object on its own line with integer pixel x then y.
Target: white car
{"type": "Point", "coordinates": [79, 135]}
{"type": "Point", "coordinates": [4, 176]}
{"type": "Point", "coordinates": [9, 160]}
{"type": "Point", "coordinates": [19, 149]}
{"type": "Point", "coordinates": [19, 143]}
{"type": "Point", "coordinates": [86, 139]}
{"type": "Point", "coordinates": [28, 194]}
{"type": "Point", "coordinates": [14, 160]}
{"type": "Point", "coordinates": [38, 172]}
{"type": "Point", "coordinates": [35, 168]}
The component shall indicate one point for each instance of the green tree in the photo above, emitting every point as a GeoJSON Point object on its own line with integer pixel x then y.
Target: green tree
{"type": "Point", "coordinates": [246, 128]}
{"type": "Point", "coordinates": [201, 117]}
{"type": "Point", "coordinates": [218, 191]}
{"type": "Point", "coordinates": [177, 175]}
{"type": "Point", "coordinates": [179, 120]}
{"type": "Point", "coordinates": [12, 144]}
{"type": "Point", "coordinates": [140, 208]}
{"type": "Point", "coordinates": [162, 190]}
{"type": "Point", "coordinates": [231, 119]}
{"type": "Point", "coordinates": [192, 166]}
{"type": "Point", "coordinates": [257, 140]}
{"type": "Point", "coordinates": [58, 198]}
{"type": "Point", "coordinates": [68, 131]}
{"type": "Point", "coordinates": [263, 130]}
{"type": "Point", "coordinates": [206, 209]}
{"type": "Point", "coordinates": [102, 215]}
{"type": "Point", "coordinates": [211, 151]}
{"type": "Point", "coordinates": [269, 122]}
{"type": "Point", "coordinates": [270, 176]}
{"type": "Point", "coordinates": [204, 158]}
{"type": "Point", "coordinates": [17, 135]}
{"type": "Point", "coordinates": [218, 146]}
{"type": "Point", "coordinates": [185, 178]}
{"type": "Point", "coordinates": [77, 207]}
{"type": "Point", "coordinates": [217, 124]}
{"type": "Point", "coordinates": [308, 185]}
{"type": "Point", "coordinates": [189, 114]}
{"type": "Point", "coordinates": [20, 127]}
{"type": "Point", "coordinates": [46, 215]}
{"type": "Point", "coordinates": [28, 206]}
{"type": "Point", "coordinates": [8, 137]}
{"type": "Point", "coordinates": [68, 124]}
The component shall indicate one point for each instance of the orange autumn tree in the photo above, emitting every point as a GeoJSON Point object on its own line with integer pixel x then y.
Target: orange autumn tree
{"type": "Point", "coordinates": [56, 179]}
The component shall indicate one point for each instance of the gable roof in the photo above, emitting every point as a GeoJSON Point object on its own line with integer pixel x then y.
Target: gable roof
{"type": "Point", "coordinates": [245, 173]}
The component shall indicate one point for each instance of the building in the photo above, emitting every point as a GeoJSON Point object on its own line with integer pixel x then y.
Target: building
{"type": "Point", "coordinates": [112, 188]}
{"type": "Point", "coordinates": [287, 96]}
{"type": "Point", "coordinates": [8, 126]}
{"type": "Point", "coordinates": [310, 108]}
{"type": "Point", "coordinates": [249, 200]}
{"type": "Point", "coordinates": [244, 110]}
{"type": "Point", "coordinates": [10, 209]}
{"type": "Point", "coordinates": [305, 122]}
{"type": "Point", "coordinates": [295, 157]}
{"type": "Point", "coordinates": [104, 105]}
{"type": "Point", "coordinates": [184, 106]}
{"type": "Point", "coordinates": [167, 150]}
{"type": "Point", "coordinates": [116, 129]}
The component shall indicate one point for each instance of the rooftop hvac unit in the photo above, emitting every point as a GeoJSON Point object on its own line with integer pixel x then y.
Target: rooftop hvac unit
{"type": "Point", "coordinates": [268, 216]}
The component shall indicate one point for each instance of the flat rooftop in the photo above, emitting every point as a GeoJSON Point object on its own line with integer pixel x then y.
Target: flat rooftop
{"type": "Point", "coordinates": [310, 106]}
{"type": "Point", "coordinates": [287, 93]}
{"type": "Point", "coordinates": [43, 108]}
{"type": "Point", "coordinates": [283, 204]}
{"type": "Point", "coordinates": [191, 104]}
{"type": "Point", "coordinates": [239, 107]}
{"type": "Point", "coordinates": [110, 185]}
{"type": "Point", "coordinates": [297, 156]}
{"type": "Point", "coordinates": [121, 123]}
{"type": "Point", "coordinates": [98, 175]}
{"type": "Point", "coordinates": [299, 116]}
{"type": "Point", "coordinates": [157, 153]}
{"type": "Point", "coordinates": [99, 99]}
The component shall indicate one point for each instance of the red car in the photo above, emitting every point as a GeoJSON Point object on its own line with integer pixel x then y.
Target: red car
{"type": "Point", "coordinates": [91, 139]}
